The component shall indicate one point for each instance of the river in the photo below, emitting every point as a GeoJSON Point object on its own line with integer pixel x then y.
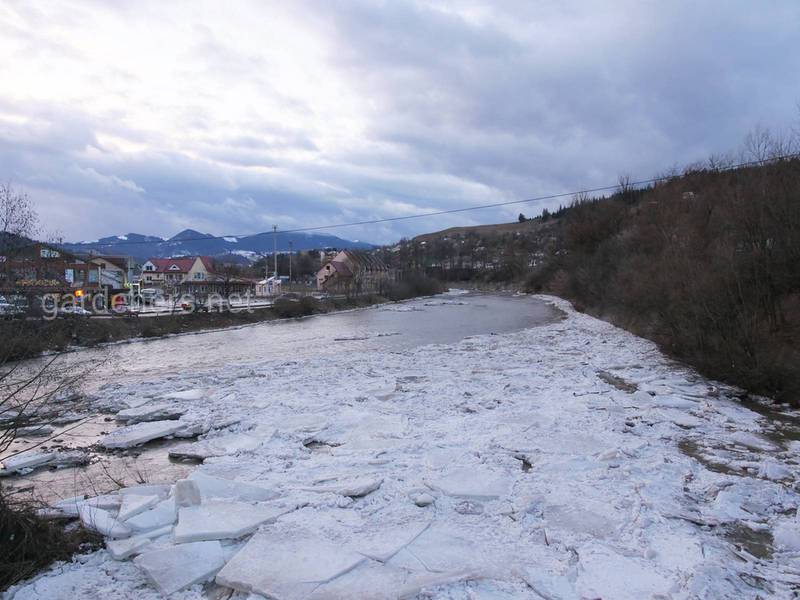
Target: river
{"type": "Point", "coordinates": [442, 319]}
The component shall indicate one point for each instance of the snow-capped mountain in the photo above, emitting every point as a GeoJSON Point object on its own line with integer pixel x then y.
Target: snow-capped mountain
{"type": "Point", "coordinates": [191, 242]}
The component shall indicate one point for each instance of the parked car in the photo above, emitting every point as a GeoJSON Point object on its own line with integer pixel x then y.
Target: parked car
{"type": "Point", "coordinates": [73, 311]}
{"type": "Point", "coordinates": [149, 295]}
{"type": "Point", "coordinates": [200, 305]}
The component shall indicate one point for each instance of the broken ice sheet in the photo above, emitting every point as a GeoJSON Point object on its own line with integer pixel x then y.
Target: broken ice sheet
{"type": "Point", "coordinates": [122, 549]}
{"type": "Point", "coordinates": [275, 562]}
{"type": "Point", "coordinates": [354, 488]}
{"type": "Point", "coordinates": [605, 573]}
{"type": "Point", "coordinates": [218, 446]}
{"type": "Point", "coordinates": [135, 435]}
{"type": "Point", "coordinates": [176, 568]}
{"type": "Point", "coordinates": [384, 542]}
{"type": "Point", "coordinates": [440, 550]}
{"type": "Point", "coordinates": [102, 522]}
{"type": "Point", "coordinates": [475, 484]}
{"type": "Point", "coordinates": [150, 412]}
{"type": "Point", "coordinates": [163, 513]}
{"type": "Point", "coordinates": [26, 460]}
{"type": "Point", "coordinates": [217, 487]}
{"type": "Point", "coordinates": [190, 395]}
{"type": "Point", "coordinates": [133, 504]}
{"type": "Point", "coordinates": [217, 520]}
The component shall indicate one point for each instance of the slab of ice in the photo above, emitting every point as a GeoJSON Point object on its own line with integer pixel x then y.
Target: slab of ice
{"type": "Point", "coordinates": [162, 514]}
{"type": "Point", "coordinates": [219, 520]}
{"type": "Point", "coordinates": [275, 563]}
{"type": "Point", "coordinates": [26, 460]}
{"type": "Point", "coordinates": [133, 504]}
{"type": "Point", "coordinates": [578, 519]}
{"type": "Point", "coordinates": [606, 574]}
{"type": "Point", "coordinates": [196, 394]}
{"type": "Point", "coordinates": [102, 522]}
{"type": "Point", "coordinates": [216, 487]}
{"type": "Point", "coordinates": [134, 435]}
{"type": "Point", "coordinates": [774, 470]}
{"type": "Point", "coordinates": [752, 441]}
{"type": "Point", "coordinates": [186, 493]}
{"type": "Point", "coordinates": [150, 412]}
{"type": "Point", "coordinates": [71, 506]}
{"type": "Point", "coordinates": [35, 430]}
{"type": "Point", "coordinates": [368, 581]}
{"type": "Point", "coordinates": [673, 402]}
{"type": "Point", "coordinates": [221, 446]}
{"type": "Point", "coordinates": [179, 567]}
{"type": "Point", "coordinates": [787, 534]}
{"type": "Point", "coordinates": [549, 585]}
{"type": "Point", "coordinates": [355, 488]}
{"type": "Point", "coordinates": [122, 549]}
{"type": "Point", "coordinates": [383, 543]}
{"type": "Point", "coordinates": [198, 427]}
{"type": "Point", "coordinates": [439, 550]}
{"type": "Point", "coordinates": [374, 581]}
{"type": "Point", "coordinates": [423, 499]}
{"type": "Point", "coordinates": [475, 484]}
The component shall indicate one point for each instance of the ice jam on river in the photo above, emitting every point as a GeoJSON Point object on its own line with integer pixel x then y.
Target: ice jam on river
{"type": "Point", "coordinates": [566, 460]}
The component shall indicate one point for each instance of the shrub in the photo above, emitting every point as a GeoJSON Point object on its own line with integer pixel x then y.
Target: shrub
{"type": "Point", "coordinates": [29, 543]}
{"type": "Point", "coordinates": [412, 287]}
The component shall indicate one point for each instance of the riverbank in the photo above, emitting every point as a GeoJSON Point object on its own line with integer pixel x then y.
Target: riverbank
{"type": "Point", "coordinates": [31, 338]}
{"type": "Point", "coordinates": [572, 459]}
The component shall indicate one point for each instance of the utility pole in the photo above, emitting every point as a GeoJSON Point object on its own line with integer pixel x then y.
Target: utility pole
{"type": "Point", "coordinates": [275, 250]}
{"type": "Point", "coordinates": [290, 262]}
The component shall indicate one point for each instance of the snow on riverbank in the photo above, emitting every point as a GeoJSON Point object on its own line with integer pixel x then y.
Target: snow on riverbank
{"type": "Point", "coordinates": [503, 466]}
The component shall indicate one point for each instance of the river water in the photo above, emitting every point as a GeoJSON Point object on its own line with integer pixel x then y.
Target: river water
{"type": "Point", "coordinates": [439, 320]}
{"type": "Point", "coordinates": [442, 319]}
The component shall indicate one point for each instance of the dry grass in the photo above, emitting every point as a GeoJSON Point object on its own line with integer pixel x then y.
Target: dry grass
{"type": "Point", "coordinates": [29, 543]}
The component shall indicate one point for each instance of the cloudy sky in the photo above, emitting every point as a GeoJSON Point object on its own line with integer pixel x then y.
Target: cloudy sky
{"type": "Point", "coordinates": [229, 117]}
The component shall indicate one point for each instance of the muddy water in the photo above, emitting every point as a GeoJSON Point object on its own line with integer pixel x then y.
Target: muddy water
{"type": "Point", "coordinates": [440, 320]}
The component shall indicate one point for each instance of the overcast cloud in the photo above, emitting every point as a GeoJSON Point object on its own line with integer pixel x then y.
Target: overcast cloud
{"type": "Point", "coordinates": [229, 117]}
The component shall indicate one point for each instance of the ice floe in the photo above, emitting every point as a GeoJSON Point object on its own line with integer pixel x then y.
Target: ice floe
{"type": "Point", "coordinates": [219, 520]}
{"type": "Point", "coordinates": [173, 569]}
{"type": "Point", "coordinates": [135, 435]}
{"type": "Point", "coordinates": [497, 467]}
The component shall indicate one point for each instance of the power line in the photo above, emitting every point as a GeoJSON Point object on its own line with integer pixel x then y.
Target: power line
{"type": "Point", "coordinates": [604, 188]}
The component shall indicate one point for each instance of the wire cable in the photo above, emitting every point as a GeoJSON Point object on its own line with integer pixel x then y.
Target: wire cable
{"type": "Point", "coordinates": [594, 190]}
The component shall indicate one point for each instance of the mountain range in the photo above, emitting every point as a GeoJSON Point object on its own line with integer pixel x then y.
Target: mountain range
{"type": "Point", "coordinates": [190, 242]}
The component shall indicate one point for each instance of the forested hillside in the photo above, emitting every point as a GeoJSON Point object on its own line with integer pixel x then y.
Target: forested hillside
{"type": "Point", "coordinates": [706, 263]}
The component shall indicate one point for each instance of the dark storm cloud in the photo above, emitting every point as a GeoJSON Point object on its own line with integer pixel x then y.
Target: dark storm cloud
{"type": "Point", "coordinates": [398, 108]}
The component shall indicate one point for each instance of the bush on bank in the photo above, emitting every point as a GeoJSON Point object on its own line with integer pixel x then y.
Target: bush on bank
{"type": "Point", "coordinates": [707, 264]}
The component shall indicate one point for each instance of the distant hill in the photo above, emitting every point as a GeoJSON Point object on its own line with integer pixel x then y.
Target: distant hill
{"type": "Point", "coordinates": [483, 230]}
{"type": "Point", "coordinates": [190, 242]}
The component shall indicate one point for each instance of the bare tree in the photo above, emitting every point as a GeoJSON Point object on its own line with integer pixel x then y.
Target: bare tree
{"type": "Point", "coordinates": [17, 215]}
{"type": "Point", "coordinates": [18, 221]}
{"type": "Point", "coordinates": [757, 144]}
{"type": "Point", "coordinates": [33, 394]}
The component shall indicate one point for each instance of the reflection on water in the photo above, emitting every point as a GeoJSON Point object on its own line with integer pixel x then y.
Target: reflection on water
{"type": "Point", "coordinates": [440, 320]}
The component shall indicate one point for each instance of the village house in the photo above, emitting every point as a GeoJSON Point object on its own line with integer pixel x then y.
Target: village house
{"type": "Point", "coordinates": [30, 269]}
{"type": "Point", "coordinates": [113, 272]}
{"type": "Point", "coordinates": [353, 272]}
{"type": "Point", "coordinates": [171, 272]}
{"type": "Point", "coordinates": [192, 275]}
